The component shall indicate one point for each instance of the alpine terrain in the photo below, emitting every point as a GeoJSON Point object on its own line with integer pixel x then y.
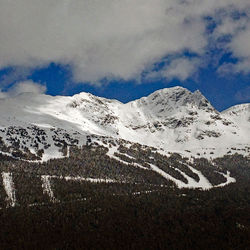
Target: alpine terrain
{"type": "Point", "coordinates": [171, 120]}
{"type": "Point", "coordinates": [85, 172]}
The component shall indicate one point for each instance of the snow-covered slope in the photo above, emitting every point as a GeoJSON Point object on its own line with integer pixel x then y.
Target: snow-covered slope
{"type": "Point", "coordinates": [240, 115]}
{"type": "Point", "coordinates": [173, 120]}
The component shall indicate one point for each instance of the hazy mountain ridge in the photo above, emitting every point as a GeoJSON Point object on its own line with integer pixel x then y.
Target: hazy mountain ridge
{"type": "Point", "coordinates": [172, 120]}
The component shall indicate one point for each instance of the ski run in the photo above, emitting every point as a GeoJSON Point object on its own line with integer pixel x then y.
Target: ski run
{"type": "Point", "coordinates": [9, 188]}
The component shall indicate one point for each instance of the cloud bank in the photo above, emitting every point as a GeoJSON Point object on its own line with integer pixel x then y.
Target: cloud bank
{"type": "Point", "coordinates": [120, 38]}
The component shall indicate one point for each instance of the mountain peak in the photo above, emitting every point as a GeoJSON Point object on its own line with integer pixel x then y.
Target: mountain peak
{"type": "Point", "coordinates": [176, 97]}
{"type": "Point", "coordinates": [171, 90]}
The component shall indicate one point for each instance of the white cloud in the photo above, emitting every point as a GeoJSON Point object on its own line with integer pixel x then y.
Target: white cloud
{"type": "Point", "coordinates": [230, 26]}
{"type": "Point", "coordinates": [104, 38]}
{"type": "Point", "coordinates": [180, 68]}
{"type": "Point", "coordinates": [240, 46]}
{"type": "Point", "coordinates": [14, 75]}
{"type": "Point", "coordinates": [23, 87]}
{"type": "Point", "coordinates": [225, 69]}
{"type": "Point", "coordinates": [2, 95]}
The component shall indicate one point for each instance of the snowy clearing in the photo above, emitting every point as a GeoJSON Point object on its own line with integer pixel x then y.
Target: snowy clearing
{"type": "Point", "coordinates": [9, 188]}
{"type": "Point", "coordinates": [47, 189]}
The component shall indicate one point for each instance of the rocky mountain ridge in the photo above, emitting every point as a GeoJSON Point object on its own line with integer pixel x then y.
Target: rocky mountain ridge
{"type": "Point", "coordinates": [171, 120]}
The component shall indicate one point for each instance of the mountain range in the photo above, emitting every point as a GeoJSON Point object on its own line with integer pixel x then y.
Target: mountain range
{"type": "Point", "coordinates": [170, 119]}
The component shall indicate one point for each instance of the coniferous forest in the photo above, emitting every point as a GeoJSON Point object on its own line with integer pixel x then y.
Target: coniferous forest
{"type": "Point", "coordinates": [138, 209]}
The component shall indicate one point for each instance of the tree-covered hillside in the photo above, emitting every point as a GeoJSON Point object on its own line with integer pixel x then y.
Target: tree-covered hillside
{"type": "Point", "coordinates": [93, 200]}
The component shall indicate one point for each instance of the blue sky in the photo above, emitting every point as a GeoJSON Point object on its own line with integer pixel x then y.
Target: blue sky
{"type": "Point", "coordinates": [126, 49]}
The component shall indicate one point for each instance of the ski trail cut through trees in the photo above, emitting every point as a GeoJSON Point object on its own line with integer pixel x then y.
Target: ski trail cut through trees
{"type": "Point", "coordinates": [93, 180]}
{"type": "Point", "coordinates": [192, 183]}
{"type": "Point", "coordinates": [47, 189]}
{"type": "Point", "coordinates": [111, 153]}
{"type": "Point", "coordinates": [9, 188]}
{"type": "Point", "coordinates": [229, 179]}
{"type": "Point", "coordinates": [203, 182]}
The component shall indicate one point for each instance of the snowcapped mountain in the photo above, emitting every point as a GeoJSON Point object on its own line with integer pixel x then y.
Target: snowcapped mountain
{"type": "Point", "coordinates": [172, 120]}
